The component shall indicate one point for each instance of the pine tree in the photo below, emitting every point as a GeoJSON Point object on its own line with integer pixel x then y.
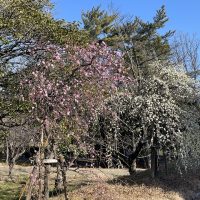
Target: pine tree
{"type": "Point", "coordinates": [99, 23]}
{"type": "Point", "coordinates": [142, 42]}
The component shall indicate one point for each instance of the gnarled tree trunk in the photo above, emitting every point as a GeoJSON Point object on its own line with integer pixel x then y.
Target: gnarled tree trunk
{"type": "Point", "coordinates": [133, 156]}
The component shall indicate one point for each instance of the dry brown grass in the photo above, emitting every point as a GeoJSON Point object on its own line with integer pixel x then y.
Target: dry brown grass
{"type": "Point", "coordinates": [105, 191]}
{"type": "Point", "coordinates": [108, 184]}
{"type": "Point", "coordinates": [116, 184]}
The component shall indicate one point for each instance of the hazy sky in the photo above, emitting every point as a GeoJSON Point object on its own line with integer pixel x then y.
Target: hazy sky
{"type": "Point", "coordinates": [184, 15]}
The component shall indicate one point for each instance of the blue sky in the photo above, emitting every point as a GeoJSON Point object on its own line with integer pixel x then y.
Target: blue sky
{"type": "Point", "coordinates": [184, 15]}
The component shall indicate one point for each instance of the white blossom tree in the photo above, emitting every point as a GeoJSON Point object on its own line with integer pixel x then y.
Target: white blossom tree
{"type": "Point", "coordinates": [153, 114]}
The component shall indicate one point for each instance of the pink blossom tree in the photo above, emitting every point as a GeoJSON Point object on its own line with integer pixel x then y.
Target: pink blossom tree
{"type": "Point", "coordinates": [68, 83]}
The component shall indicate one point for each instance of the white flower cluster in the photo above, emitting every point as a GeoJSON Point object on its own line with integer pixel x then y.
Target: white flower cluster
{"type": "Point", "coordinates": [164, 107]}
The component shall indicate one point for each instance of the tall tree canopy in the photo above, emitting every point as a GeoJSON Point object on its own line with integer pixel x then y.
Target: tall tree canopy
{"type": "Point", "coordinates": [98, 23]}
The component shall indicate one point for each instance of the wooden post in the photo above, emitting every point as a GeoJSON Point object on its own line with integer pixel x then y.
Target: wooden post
{"type": "Point", "coordinates": [47, 163]}
{"type": "Point", "coordinates": [46, 181]}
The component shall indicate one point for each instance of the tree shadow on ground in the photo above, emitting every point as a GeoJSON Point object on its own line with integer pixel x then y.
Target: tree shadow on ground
{"type": "Point", "coordinates": [188, 186]}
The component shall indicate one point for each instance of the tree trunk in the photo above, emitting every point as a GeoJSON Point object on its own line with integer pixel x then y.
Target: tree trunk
{"type": "Point", "coordinates": [40, 182]}
{"type": "Point", "coordinates": [33, 178]}
{"type": "Point", "coordinates": [47, 155]}
{"type": "Point", "coordinates": [64, 177]}
{"type": "Point", "coordinates": [132, 167]}
{"type": "Point", "coordinates": [154, 162]}
{"type": "Point", "coordinates": [133, 156]}
{"type": "Point", "coordinates": [10, 165]}
{"type": "Point", "coordinates": [35, 183]}
{"type": "Point", "coordinates": [147, 162]}
{"type": "Point", "coordinates": [11, 159]}
{"type": "Point", "coordinates": [58, 181]}
{"type": "Point", "coordinates": [7, 152]}
{"type": "Point", "coordinates": [165, 163]}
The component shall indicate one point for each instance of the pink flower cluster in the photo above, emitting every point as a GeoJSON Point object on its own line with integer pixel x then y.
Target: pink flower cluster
{"type": "Point", "coordinates": [72, 81]}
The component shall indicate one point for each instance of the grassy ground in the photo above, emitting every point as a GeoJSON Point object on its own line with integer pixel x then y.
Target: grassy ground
{"type": "Point", "coordinates": [106, 184]}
